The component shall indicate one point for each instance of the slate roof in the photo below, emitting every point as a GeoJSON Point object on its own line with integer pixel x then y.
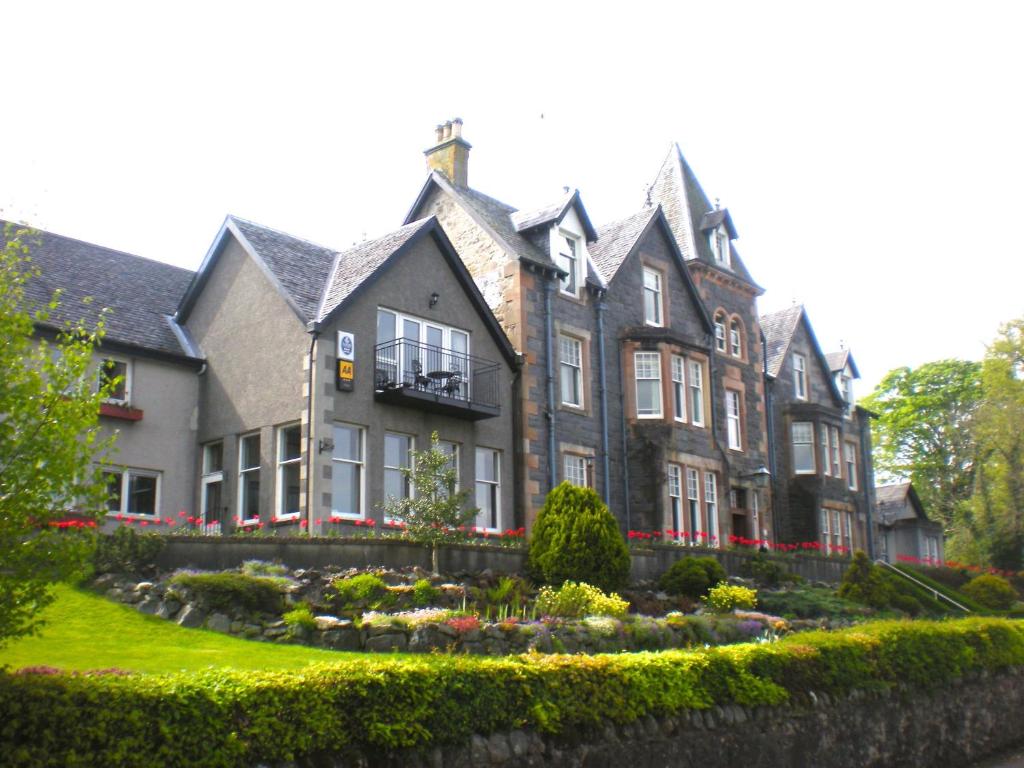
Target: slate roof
{"type": "Point", "coordinates": [616, 240]}
{"type": "Point", "coordinates": [778, 328]}
{"type": "Point", "coordinates": [554, 213]}
{"type": "Point", "coordinates": [352, 267]}
{"type": "Point", "coordinates": [892, 494]}
{"type": "Point", "coordinates": [837, 361]}
{"type": "Point", "coordinates": [141, 293]}
{"type": "Point", "coordinates": [899, 501]}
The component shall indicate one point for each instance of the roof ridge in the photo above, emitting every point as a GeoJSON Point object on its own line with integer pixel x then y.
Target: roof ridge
{"type": "Point", "coordinates": [646, 210]}
{"type": "Point", "coordinates": [412, 225]}
{"type": "Point", "coordinates": [275, 230]}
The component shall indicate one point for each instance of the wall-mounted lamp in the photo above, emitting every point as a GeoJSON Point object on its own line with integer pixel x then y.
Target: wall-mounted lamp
{"type": "Point", "coordinates": [434, 298]}
{"type": "Point", "coordinates": [759, 477]}
{"type": "Point", "coordinates": [326, 445]}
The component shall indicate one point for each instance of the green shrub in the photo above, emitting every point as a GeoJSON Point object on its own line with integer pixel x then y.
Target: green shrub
{"type": "Point", "coordinates": [727, 597]}
{"type": "Point", "coordinates": [573, 601]}
{"type": "Point", "coordinates": [126, 551]}
{"type": "Point", "coordinates": [225, 718]}
{"type": "Point", "coordinates": [692, 576]}
{"type": "Point", "coordinates": [263, 568]}
{"type": "Point", "coordinates": [906, 603]}
{"type": "Point", "coordinates": [424, 593]}
{"type": "Point", "coordinates": [807, 602]}
{"type": "Point", "coordinates": [224, 591]}
{"type": "Point", "coordinates": [766, 571]}
{"type": "Point", "coordinates": [364, 590]}
{"type": "Point", "coordinates": [300, 617]}
{"type": "Point", "coordinates": [576, 538]}
{"type": "Point", "coordinates": [863, 583]}
{"type": "Point", "coordinates": [991, 591]}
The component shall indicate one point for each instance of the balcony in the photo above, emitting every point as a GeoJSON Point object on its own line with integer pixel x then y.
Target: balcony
{"type": "Point", "coordinates": [442, 381]}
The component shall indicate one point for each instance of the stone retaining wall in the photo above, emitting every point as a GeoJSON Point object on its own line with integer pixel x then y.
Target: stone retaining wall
{"type": "Point", "coordinates": [951, 726]}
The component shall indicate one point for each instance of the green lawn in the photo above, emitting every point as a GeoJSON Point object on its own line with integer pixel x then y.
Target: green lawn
{"type": "Point", "coordinates": [86, 631]}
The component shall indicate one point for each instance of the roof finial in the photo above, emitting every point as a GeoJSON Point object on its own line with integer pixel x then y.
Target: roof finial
{"type": "Point", "coordinates": [842, 344]}
{"type": "Point", "coordinates": [565, 189]}
{"type": "Point", "coordinates": [718, 204]}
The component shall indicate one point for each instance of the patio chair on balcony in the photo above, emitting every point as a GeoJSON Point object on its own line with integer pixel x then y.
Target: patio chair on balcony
{"type": "Point", "coordinates": [419, 380]}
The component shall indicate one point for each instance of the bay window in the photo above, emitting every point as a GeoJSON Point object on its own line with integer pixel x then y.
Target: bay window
{"type": "Point", "coordinates": [679, 387]}
{"type": "Point", "coordinates": [802, 433]}
{"type": "Point", "coordinates": [647, 366]}
{"type": "Point", "coordinates": [696, 393]}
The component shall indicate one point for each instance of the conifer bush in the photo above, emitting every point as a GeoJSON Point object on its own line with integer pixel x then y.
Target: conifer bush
{"type": "Point", "coordinates": [863, 583]}
{"type": "Point", "coordinates": [576, 538]}
{"type": "Point", "coordinates": [692, 576]}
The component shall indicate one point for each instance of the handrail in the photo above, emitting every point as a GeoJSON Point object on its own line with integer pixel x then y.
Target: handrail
{"type": "Point", "coordinates": [935, 593]}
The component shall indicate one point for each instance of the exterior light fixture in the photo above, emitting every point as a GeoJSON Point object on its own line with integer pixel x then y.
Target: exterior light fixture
{"type": "Point", "coordinates": [759, 478]}
{"type": "Point", "coordinates": [434, 298]}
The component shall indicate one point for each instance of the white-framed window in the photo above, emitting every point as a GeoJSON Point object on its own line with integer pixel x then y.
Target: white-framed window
{"type": "Point", "coordinates": [488, 488]}
{"type": "Point", "coordinates": [570, 355]}
{"type": "Point", "coordinates": [647, 367]}
{"type": "Point", "coordinates": [836, 449]}
{"type": "Point", "coordinates": [825, 528]}
{"type": "Point", "coordinates": [720, 332]}
{"type": "Point", "coordinates": [848, 531]}
{"type": "Point", "coordinates": [654, 311]}
{"type": "Point", "coordinates": [837, 528]}
{"type": "Point", "coordinates": [679, 387]}
{"type": "Point", "coordinates": [249, 479]}
{"type": "Point", "coordinates": [212, 485]}
{"type": "Point", "coordinates": [575, 470]}
{"type": "Point", "coordinates": [675, 500]}
{"type": "Point", "coordinates": [451, 450]}
{"type": "Point", "coordinates": [289, 463]}
{"type": "Point", "coordinates": [711, 505]}
{"type": "Point", "coordinates": [132, 492]}
{"type": "Point", "coordinates": [845, 385]}
{"type": "Point", "coordinates": [735, 339]}
{"type": "Point", "coordinates": [693, 503]}
{"type": "Point", "coordinates": [732, 419]}
{"type": "Point", "coordinates": [397, 456]}
{"type": "Point", "coordinates": [569, 259]}
{"type": "Point", "coordinates": [802, 433]}
{"type": "Point", "coordinates": [696, 383]}
{"type": "Point", "coordinates": [720, 245]}
{"type": "Point", "coordinates": [800, 376]}
{"type": "Point", "coordinates": [414, 348]}
{"type": "Point", "coordinates": [850, 450]}
{"type": "Point", "coordinates": [826, 464]}
{"type": "Point", "coordinates": [119, 371]}
{"type": "Point", "coordinates": [348, 472]}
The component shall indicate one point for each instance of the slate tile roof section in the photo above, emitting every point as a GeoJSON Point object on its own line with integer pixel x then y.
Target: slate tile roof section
{"type": "Point", "coordinates": [354, 266]}
{"type": "Point", "coordinates": [837, 361]}
{"type": "Point", "coordinates": [778, 329]}
{"type": "Point", "coordinates": [301, 267]}
{"type": "Point", "coordinates": [141, 293]}
{"type": "Point", "coordinates": [547, 214]}
{"type": "Point", "coordinates": [616, 240]}
{"type": "Point", "coordinates": [891, 494]}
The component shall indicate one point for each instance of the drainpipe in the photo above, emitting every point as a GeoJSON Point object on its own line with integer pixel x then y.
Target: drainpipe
{"type": "Point", "coordinates": [549, 289]}
{"type": "Point", "coordinates": [625, 449]}
{"type": "Point", "coordinates": [314, 333]}
{"type": "Point", "coordinates": [599, 308]}
{"type": "Point", "coordinates": [868, 476]}
{"type": "Point", "coordinates": [518, 488]}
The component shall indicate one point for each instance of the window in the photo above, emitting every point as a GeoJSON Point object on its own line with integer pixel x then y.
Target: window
{"type": "Point", "coordinates": [851, 465]}
{"type": "Point", "coordinates": [397, 456]}
{"type": "Point", "coordinates": [800, 376]}
{"type": "Point", "coordinates": [834, 447]}
{"type": "Point", "coordinates": [732, 417]}
{"type": "Point", "coordinates": [711, 504]}
{"type": "Point", "coordinates": [837, 529]}
{"type": "Point", "coordinates": [568, 259]}
{"type": "Point", "coordinates": [249, 479]}
{"type": "Point", "coordinates": [451, 450]}
{"type": "Point", "coordinates": [675, 499]}
{"type": "Point", "coordinates": [212, 492]}
{"type": "Point", "coordinates": [693, 502]}
{"type": "Point", "coordinates": [653, 309]}
{"type": "Point", "coordinates": [289, 461]}
{"type": "Point", "coordinates": [133, 492]}
{"type": "Point", "coordinates": [488, 488]}
{"type": "Point", "coordinates": [825, 533]}
{"type": "Point", "coordinates": [847, 531]}
{"type": "Point", "coordinates": [648, 384]}
{"type": "Point", "coordinates": [735, 343]}
{"type": "Point", "coordinates": [720, 332]}
{"type": "Point", "coordinates": [576, 470]}
{"type": "Point", "coordinates": [347, 471]}
{"type": "Point", "coordinates": [410, 348]}
{"type": "Point", "coordinates": [696, 394]}
{"type": "Point", "coordinates": [679, 387]}
{"type": "Point", "coordinates": [118, 372]}
{"type": "Point", "coordinates": [825, 462]}
{"type": "Point", "coordinates": [803, 447]}
{"type": "Point", "coordinates": [720, 245]}
{"type": "Point", "coordinates": [570, 353]}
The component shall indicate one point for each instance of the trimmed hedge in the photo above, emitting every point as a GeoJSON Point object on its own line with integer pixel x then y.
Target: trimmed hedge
{"type": "Point", "coordinates": [224, 718]}
{"type": "Point", "coordinates": [227, 590]}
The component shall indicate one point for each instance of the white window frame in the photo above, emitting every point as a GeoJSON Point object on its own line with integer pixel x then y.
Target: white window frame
{"type": "Point", "coordinates": [243, 471]}
{"type": "Point", "coordinates": [410, 487]}
{"type": "Point", "coordinates": [360, 465]}
{"type": "Point", "coordinates": [799, 376]}
{"type": "Point", "coordinates": [850, 451]}
{"type": "Point", "coordinates": [679, 387]}
{"type": "Point", "coordinates": [826, 454]}
{"type": "Point", "coordinates": [696, 384]}
{"type": "Point", "coordinates": [720, 341]}
{"type": "Point", "coordinates": [280, 467]}
{"type": "Point", "coordinates": [641, 361]}
{"type": "Point", "coordinates": [210, 477]}
{"type": "Point", "coordinates": [570, 284]}
{"type": "Point", "coordinates": [848, 531]}
{"type": "Point", "coordinates": [734, 428]}
{"type": "Point", "coordinates": [675, 499]}
{"type": "Point", "coordinates": [126, 473]}
{"type": "Point", "coordinates": [493, 487]}
{"type": "Point", "coordinates": [657, 293]}
{"type": "Point", "coordinates": [720, 246]}
{"type": "Point", "coordinates": [693, 503]}
{"type": "Point", "coordinates": [568, 368]}
{"type": "Point", "coordinates": [826, 533]}
{"type": "Point", "coordinates": [835, 448]}
{"type": "Point", "coordinates": [127, 363]}
{"type": "Point", "coordinates": [837, 529]}
{"type": "Point", "coordinates": [403, 368]}
{"type": "Point", "coordinates": [711, 506]}
{"type": "Point", "coordinates": [574, 467]}
{"type": "Point", "coordinates": [735, 339]}
{"type": "Point", "coordinates": [812, 448]}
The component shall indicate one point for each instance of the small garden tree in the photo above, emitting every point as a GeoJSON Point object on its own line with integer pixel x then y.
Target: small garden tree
{"type": "Point", "coordinates": [435, 510]}
{"type": "Point", "coordinates": [576, 538]}
{"type": "Point", "coordinates": [49, 443]}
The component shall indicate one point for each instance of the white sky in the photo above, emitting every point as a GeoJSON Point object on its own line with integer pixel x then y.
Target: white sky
{"type": "Point", "coordinates": [871, 154]}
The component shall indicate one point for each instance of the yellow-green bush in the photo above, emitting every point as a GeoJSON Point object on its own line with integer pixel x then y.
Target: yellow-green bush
{"type": "Point", "coordinates": [227, 590]}
{"type": "Point", "coordinates": [991, 591]}
{"type": "Point", "coordinates": [573, 601]}
{"type": "Point", "coordinates": [726, 597]}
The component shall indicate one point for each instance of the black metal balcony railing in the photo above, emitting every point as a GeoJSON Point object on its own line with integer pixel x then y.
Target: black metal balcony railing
{"type": "Point", "coordinates": [409, 370]}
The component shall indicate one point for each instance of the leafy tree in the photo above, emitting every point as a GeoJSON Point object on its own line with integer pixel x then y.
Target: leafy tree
{"type": "Point", "coordinates": [49, 441]}
{"type": "Point", "coordinates": [435, 510]}
{"type": "Point", "coordinates": [924, 432]}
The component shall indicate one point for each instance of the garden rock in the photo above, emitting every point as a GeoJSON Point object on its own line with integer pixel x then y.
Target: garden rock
{"type": "Point", "coordinates": [324, 623]}
{"type": "Point", "coordinates": [218, 622]}
{"type": "Point", "coordinates": [191, 616]}
{"type": "Point", "coordinates": [387, 643]}
{"type": "Point", "coordinates": [168, 609]}
{"type": "Point", "coordinates": [149, 606]}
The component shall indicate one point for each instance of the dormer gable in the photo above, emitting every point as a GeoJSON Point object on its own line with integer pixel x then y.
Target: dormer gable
{"type": "Point", "coordinates": [718, 228]}
{"type": "Point", "coordinates": [568, 239]}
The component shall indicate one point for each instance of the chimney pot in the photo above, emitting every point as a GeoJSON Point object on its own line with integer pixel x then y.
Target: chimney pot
{"type": "Point", "coordinates": [457, 127]}
{"type": "Point", "coordinates": [440, 133]}
{"type": "Point", "coordinates": [450, 153]}
{"type": "Point", "coordinates": [447, 130]}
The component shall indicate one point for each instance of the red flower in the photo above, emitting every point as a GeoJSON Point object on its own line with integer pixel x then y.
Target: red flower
{"type": "Point", "coordinates": [319, 521]}
{"type": "Point", "coordinates": [181, 513]}
{"type": "Point", "coordinates": [359, 522]}
{"type": "Point", "coordinates": [371, 522]}
{"type": "Point", "coordinates": [303, 523]}
{"type": "Point", "coordinates": [144, 523]}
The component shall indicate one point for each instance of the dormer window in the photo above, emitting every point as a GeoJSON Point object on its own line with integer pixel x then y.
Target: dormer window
{"type": "Point", "coordinates": [720, 246]}
{"type": "Point", "coordinates": [568, 259]}
{"type": "Point", "coordinates": [653, 309]}
{"type": "Point", "coordinates": [844, 382]}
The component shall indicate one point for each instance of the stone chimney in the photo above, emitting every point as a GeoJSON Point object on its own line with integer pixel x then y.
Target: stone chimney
{"type": "Point", "coordinates": [450, 155]}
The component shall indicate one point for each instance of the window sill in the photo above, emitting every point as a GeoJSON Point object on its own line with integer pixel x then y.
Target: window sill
{"type": "Point", "coordinates": [118, 411]}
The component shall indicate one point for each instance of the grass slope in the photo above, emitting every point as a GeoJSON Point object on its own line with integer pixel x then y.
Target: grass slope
{"type": "Point", "coordinates": [85, 631]}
